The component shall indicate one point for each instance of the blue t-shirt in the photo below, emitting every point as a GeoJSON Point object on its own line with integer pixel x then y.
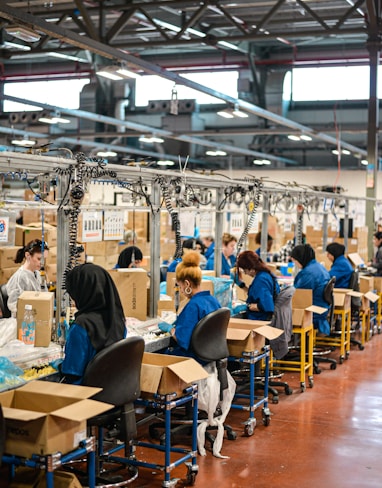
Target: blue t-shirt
{"type": "Point", "coordinates": [200, 305]}
{"type": "Point", "coordinates": [227, 264]}
{"type": "Point", "coordinates": [261, 291]}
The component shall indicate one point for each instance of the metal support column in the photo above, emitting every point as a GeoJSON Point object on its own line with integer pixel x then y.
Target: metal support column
{"type": "Point", "coordinates": [264, 228]}
{"type": "Point", "coordinates": [155, 250]}
{"type": "Point", "coordinates": [219, 231]}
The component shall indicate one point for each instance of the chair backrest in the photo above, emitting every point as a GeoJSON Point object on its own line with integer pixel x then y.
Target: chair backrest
{"type": "Point", "coordinates": [209, 337]}
{"type": "Point", "coordinates": [328, 291]}
{"type": "Point", "coordinates": [117, 369]}
{"type": "Point", "coordinates": [356, 302]}
{"type": "Point", "coordinates": [329, 298]}
{"type": "Point", "coordinates": [6, 313]}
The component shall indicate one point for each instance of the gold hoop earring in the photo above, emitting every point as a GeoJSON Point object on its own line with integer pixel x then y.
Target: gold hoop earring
{"type": "Point", "coordinates": [188, 290]}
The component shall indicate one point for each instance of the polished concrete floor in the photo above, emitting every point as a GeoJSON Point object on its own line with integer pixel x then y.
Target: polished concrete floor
{"type": "Point", "coordinates": [328, 436]}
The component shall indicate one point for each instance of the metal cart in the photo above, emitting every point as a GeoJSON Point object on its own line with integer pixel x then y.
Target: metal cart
{"type": "Point", "coordinates": [254, 402]}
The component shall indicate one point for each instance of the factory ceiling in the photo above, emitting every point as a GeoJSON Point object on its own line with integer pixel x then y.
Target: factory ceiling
{"type": "Point", "coordinates": [171, 37]}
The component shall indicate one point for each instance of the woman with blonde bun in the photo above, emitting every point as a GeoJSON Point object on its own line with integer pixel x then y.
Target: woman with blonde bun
{"type": "Point", "coordinates": [189, 277]}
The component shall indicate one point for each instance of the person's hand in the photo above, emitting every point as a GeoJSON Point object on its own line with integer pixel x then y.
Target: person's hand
{"type": "Point", "coordinates": [165, 326]}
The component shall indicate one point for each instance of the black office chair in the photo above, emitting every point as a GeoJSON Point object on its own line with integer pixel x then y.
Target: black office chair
{"type": "Point", "coordinates": [117, 370]}
{"type": "Point", "coordinates": [356, 306]}
{"type": "Point", "coordinates": [208, 344]}
{"type": "Point", "coordinates": [6, 313]}
{"type": "Point", "coordinates": [320, 353]}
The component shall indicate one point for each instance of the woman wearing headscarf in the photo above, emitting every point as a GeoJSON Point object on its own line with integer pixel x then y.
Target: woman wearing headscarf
{"type": "Point", "coordinates": [201, 303]}
{"type": "Point", "coordinates": [263, 289]}
{"type": "Point", "coordinates": [341, 267]}
{"type": "Point", "coordinates": [131, 257]}
{"type": "Point", "coordinates": [312, 276]}
{"type": "Point", "coordinates": [98, 322]}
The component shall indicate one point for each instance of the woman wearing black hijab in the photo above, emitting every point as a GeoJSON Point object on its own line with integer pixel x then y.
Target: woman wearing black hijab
{"type": "Point", "coordinates": [131, 257]}
{"type": "Point", "coordinates": [98, 322]}
{"type": "Point", "coordinates": [312, 276]}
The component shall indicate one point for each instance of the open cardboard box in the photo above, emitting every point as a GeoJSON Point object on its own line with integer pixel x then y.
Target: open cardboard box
{"type": "Point", "coordinates": [378, 284]}
{"type": "Point", "coordinates": [303, 308]}
{"type": "Point", "coordinates": [163, 373]}
{"type": "Point", "coordinates": [43, 417]}
{"type": "Point", "coordinates": [366, 283]}
{"type": "Point", "coordinates": [356, 259]}
{"type": "Point", "coordinates": [244, 335]}
{"type": "Point", "coordinates": [342, 298]}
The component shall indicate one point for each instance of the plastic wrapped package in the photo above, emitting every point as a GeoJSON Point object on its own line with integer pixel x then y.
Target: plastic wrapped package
{"type": "Point", "coordinates": [222, 290]}
{"type": "Point", "coordinates": [209, 401]}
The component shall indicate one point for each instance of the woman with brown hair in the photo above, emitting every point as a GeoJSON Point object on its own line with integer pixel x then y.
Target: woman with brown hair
{"type": "Point", "coordinates": [27, 277]}
{"type": "Point", "coordinates": [189, 278]}
{"type": "Point", "coordinates": [228, 255]}
{"type": "Point", "coordinates": [263, 289]}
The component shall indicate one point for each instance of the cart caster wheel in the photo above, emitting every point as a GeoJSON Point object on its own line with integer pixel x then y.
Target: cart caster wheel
{"type": "Point", "coordinates": [334, 365]}
{"type": "Point", "coordinates": [231, 435]}
{"type": "Point", "coordinates": [361, 347]}
{"type": "Point", "coordinates": [191, 475]}
{"type": "Point", "coordinates": [303, 387]}
{"type": "Point", "coordinates": [317, 370]}
{"type": "Point", "coordinates": [266, 420]}
{"type": "Point", "coordinates": [347, 354]}
{"type": "Point", "coordinates": [341, 360]}
{"type": "Point", "coordinates": [311, 382]}
{"type": "Point", "coordinates": [379, 331]}
{"type": "Point", "coordinates": [275, 400]}
{"type": "Point", "coordinates": [288, 390]}
{"type": "Point", "coordinates": [249, 428]}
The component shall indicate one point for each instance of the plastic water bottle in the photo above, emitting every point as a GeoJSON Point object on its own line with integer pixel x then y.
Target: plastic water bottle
{"type": "Point", "coordinates": [28, 326]}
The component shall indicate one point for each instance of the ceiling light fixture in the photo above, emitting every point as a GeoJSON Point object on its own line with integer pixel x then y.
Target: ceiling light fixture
{"type": "Point", "coordinates": [106, 154]}
{"type": "Point", "coordinates": [151, 139]}
{"type": "Point", "coordinates": [261, 162]}
{"type": "Point", "coordinates": [22, 33]}
{"type": "Point", "coordinates": [54, 118]}
{"type": "Point", "coordinates": [230, 113]}
{"type": "Point", "coordinates": [23, 142]}
{"type": "Point", "coordinates": [216, 152]}
{"type": "Point", "coordinates": [364, 162]}
{"type": "Point", "coordinates": [343, 151]}
{"type": "Point", "coordinates": [305, 137]}
{"type": "Point", "coordinates": [117, 72]}
{"type": "Point", "coordinates": [293, 137]}
{"type": "Point", "coordinates": [165, 162]}
{"type": "Point", "coordinates": [14, 45]}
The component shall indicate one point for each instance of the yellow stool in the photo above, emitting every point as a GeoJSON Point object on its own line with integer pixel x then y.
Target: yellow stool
{"type": "Point", "coordinates": [303, 365]}
{"type": "Point", "coordinates": [342, 338]}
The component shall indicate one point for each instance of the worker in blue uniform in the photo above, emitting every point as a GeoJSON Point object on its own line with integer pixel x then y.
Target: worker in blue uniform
{"type": "Point", "coordinates": [263, 289]}
{"type": "Point", "coordinates": [201, 303]}
{"type": "Point", "coordinates": [98, 322]}
{"type": "Point", "coordinates": [312, 276]}
{"type": "Point", "coordinates": [228, 255]}
{"type": "Point", "coordinates": [209, 245]}
{"type": "Point", "coordinates": [269, 246]}
{"type": "Point", "coordinates": [341, 267]}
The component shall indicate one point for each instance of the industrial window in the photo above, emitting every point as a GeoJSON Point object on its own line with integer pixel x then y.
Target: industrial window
{"type": "Point", "coordinates": [329, 83]}
{"type": "Point", "coordinates": [157, 88]}
{"type": "Point", "coordinates": [62, 93]}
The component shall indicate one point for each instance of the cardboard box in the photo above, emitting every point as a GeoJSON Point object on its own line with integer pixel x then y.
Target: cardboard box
{"type": "Point", "coordinates": [51, 272]}
{"type": "Point", "coordinates": [162, 373]}
{"type": "Point", "coordinates": [42, 303]}
{"type": "Point", "coordinates": [106, 262]}
{"type": "Point", "coordinates": [43, 417]}
{"type": "Point", "coordinates": [366, 283]}
{"type": "Point", "coordinates": [356, 259]}
{"type": "Point", "coordinates": [378, 284]}
{"type": "Point", "coordinates": [7, 256]}
{"type": "Point", "coordinates": [6, 273]}
{"type": "Point", "coordinates": [303, 308]}
{"type": "Point", "coordinates": [245, 335]}
{"type": "Point", "coordinates": [132, 284]}
{"type": "Point", "coordinates": [25, 234]}
{"type": "Point", "coordinates": [342, 298]}
{"type": "Point", "coordinates": [102, 248]}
